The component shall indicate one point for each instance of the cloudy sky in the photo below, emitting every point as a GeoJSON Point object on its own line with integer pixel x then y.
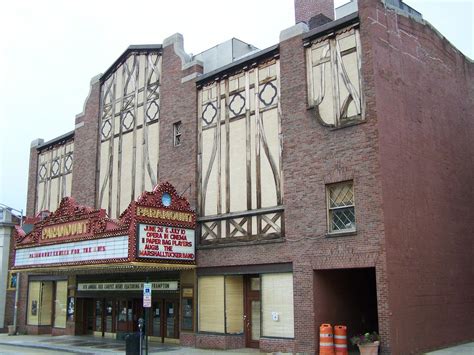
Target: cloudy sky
{"type": "Point", "coordinates": [50, 49]}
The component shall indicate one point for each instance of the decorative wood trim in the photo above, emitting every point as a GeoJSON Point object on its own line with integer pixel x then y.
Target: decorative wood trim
{"type": "Point", "coordinates": [231, 215]}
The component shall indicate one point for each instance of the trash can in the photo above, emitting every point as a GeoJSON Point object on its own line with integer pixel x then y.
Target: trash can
{"type": "Point", "coordinates": [132, 344]}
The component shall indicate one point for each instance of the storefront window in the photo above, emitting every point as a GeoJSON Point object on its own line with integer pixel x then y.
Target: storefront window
{"type": "Point", "coordinates": [98, 316]}
{"type": "Point", "coordinates": [221, 304]}
{"type": "Point", "coordinates": [156, 319]}
{"type": "Point", "coordinates": [108, 315]}
{"type": "Point", "coordinates": [60, 302]}
{"type": "Point", "coordinates": [211, 304]}
{"type": "Point", "coordinates": [277, 305]}
{"type": "Point", "coordinates": [12, 279]}
{"type": "Point", "coordinates": [40, 301]}
{"type": "Point", "coordinates": [234, 304]}
{"type": "Point", "coordinates": [187, 309]}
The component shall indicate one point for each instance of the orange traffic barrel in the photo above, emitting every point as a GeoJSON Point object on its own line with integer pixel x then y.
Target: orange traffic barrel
{"type": "Point", "coordinates": [340, 340]}
{"type": "Point", "coordinates": [326, 341]}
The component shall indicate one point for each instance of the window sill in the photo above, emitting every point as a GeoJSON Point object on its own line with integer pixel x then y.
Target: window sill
{"type": "Point", "coordinates": [341, 234]}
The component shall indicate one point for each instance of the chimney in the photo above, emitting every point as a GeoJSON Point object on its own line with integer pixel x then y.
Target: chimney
{"type": "Point", "coordinates": [306, 9]}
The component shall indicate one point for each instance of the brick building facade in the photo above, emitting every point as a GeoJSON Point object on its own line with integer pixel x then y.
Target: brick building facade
{"type": "Point", "coordinates": [328, 174]}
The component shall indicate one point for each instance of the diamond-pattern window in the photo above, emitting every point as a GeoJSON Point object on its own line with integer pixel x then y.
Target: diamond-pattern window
{"type": "Point", "coordinates": [42, 172]}
{"type": "Point", "coordinates": [128, 121]}
{"type": "Point", "coordinates": [68, 163]}
{"type": "Point", "coordinates": [341, 210]}
{"type": "Point", "coordinates": [55, 168]}
{"type": "Point", "coordinates": [152, 111]}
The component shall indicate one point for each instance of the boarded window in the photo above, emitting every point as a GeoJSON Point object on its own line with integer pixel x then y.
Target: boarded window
{"type": "Point", "coordinates": [60, 304]}
{"type": "Point", "coordinates": [277, 305]}
{"type": "Point", "coordinates": [234, 303]}
{"type": "Point", "coordinates": [211, 304]}
{"type": "Point", "coordinates": [334, 79]}
{"type": "Point", "coordinates": [40, 300]}
{"type": "Point", "coordinates": [221, 304]}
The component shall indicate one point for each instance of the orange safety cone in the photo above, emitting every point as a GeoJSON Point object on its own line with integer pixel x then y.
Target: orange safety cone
{"type": "Point", "coordinates": [326, 342]}
{"type": "Point", "coordinates": [340, 340]}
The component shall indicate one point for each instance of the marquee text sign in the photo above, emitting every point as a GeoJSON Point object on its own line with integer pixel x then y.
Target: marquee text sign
{"type": "Point", "coordinates": [128, 286]}
{"type": "Point", "coordinates": [87, 250]}
{"type": "Point", "coordinates": [63, 231]}
{"type": "Point", "coordinates": [162, 242]}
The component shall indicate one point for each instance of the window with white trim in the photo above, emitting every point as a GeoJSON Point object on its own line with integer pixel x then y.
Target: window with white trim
{"type": "Point", "coordinates": [340, 207]}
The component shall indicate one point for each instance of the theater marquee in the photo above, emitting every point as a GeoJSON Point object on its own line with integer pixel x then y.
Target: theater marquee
{"type": "Point", "coordinates": [156, 229]}
{"type": "Point", "coordinates": [64, 253]}
{"type": "Point", "coordinates": [163, 242]}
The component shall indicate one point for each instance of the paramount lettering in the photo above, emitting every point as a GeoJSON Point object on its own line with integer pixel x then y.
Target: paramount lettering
{"type": "Point", "coordinates": [164, 214]}
{"type": "Point", "coordinates": [64, 230]}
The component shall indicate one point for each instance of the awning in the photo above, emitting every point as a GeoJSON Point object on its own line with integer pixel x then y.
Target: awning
{"type": "Point", "coordinates": [106, 268]}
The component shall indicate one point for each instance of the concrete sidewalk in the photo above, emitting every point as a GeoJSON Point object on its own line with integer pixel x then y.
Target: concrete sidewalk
{"type": "Point", "coordinates": [89, 345]}
{"type": "Point", "coordinates": [463, 349]}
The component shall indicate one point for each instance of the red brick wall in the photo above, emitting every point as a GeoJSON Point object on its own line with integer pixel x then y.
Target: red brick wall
{"type": "Point", "coordinates": [217, 341]}
{"type": "Point", "coordinates": [9, 307]}
{"type": "Point", "coordinates": [424, 107]}
{"type": "Point", "coordinates": [314, 156]}
{"type": "Point", "coordinates": [270, 345]}
{"type": "Point", "coordinates": [32, 181]}
{"type": "Point", "coordinates": [187, 339]}
{"type": "Point", "coordinates": [85, 149]}
{"type": "Point", "coordinates": [305, 9]}
{"type": "Point", "coordinates": [22, 302]}
{"type": "Point", "coordinates": [177, 165]}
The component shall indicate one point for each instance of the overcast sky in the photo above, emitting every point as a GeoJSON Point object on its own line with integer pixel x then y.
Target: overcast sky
{"type": "Point", "coordinates": [50, 49]}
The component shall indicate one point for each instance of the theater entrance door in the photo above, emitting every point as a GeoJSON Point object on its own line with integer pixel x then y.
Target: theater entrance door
{"type": "Point", "coordinates": [163, 322]}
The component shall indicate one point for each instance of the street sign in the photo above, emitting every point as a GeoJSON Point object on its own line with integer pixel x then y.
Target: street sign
{"type": "Point", "coordinates": [147, 295]}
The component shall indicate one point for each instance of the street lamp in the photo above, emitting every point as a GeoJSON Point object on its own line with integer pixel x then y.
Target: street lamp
{"type": "Point", "coordinates": [15, 309]}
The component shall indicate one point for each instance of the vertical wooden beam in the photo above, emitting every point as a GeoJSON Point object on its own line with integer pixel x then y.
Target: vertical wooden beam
{"type": "Point", "coordinates": [359, 72]}
{"type": "Point", "coordinates": [145, 126]}
{"type": "Point", "coordinates": [50, 160]}
{"type": "Point", "coordinates": [248, 153]}
{"type": "Point", "coordinates": [111, 143]}
{"type": "Point", "coordinates": [335, 82]}
{"type": "Point", "coordinates": [280, 136]}
{"type": "Point", "coordinates": [280, 143]}
{"type": "Point", "coordinates": [126, 76]}
{"type": "Point", "coordinates": [58, 178]}
{"type": "Point", "coordinates": [227, 156]}
{"type": "Point", "coordinates": [136, 66]}
{"type": "Point", "coordinates": [257, 149]}
{"type": "Point", "coordinates": [219, 156]}
{"type": "Point", "coordinates": [309, 75]}
{"type": "Point", "coordinates": [199, 166]}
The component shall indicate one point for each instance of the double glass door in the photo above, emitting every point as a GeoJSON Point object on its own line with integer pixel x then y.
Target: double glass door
{"type": "Point", "coordinates": [164, 319]}
{"type": "Point", "coordinates": [122, 315]}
